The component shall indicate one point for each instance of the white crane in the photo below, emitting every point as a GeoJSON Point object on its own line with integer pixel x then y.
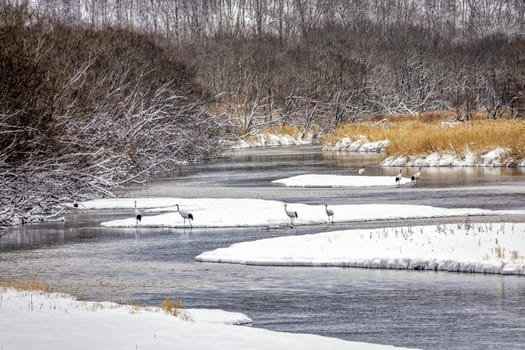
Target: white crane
{"type": "Point", "coordinates": [398, 177]}
{"type": "Point", "coordinates": [416, 176]}
{"type": "Point", "coordinates": [329, 213]}
{"type": "Point", "coordinates": [138, 214]}
{"type": "Point", "coordinates": [361, 171]}
{"type": "Point", "coordinates": [291, 214]}
{"type": "Point", "coordinates": [185, 215]}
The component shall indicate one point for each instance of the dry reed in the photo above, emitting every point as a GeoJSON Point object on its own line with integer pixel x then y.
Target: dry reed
{"type": "Point", "coordinates": [415, 136]}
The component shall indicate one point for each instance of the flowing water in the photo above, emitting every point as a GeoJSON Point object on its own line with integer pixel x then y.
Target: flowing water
{"type": "Point", "coordinates": [421, 309]}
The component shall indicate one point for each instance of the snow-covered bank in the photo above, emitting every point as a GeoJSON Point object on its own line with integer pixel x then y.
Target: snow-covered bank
{"type": "Point", "coordinates": [483, 248]}
{"type": "Point", "coordinates": [36, 320]}
{"type": "Point", "coordinates": [495, 158]}
{"type": "Point", "coordinates": [356, 144]}
{"type": "Point", "coordinates": [269, 140]}
{"type": "Point", "coordinates": [226, 212]}
{"type": "Point", "coordinates": [323, 180]}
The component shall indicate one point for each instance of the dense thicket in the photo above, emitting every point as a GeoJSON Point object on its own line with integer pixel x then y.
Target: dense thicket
{"type": "Point", "coordinates": [85, 110]}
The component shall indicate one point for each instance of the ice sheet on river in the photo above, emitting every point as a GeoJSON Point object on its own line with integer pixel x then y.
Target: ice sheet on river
{"type": "Point", "coordinates": [225, 212]}
{"type": "Point", "coordinates": [36, 320]}
{"type": "Point", "coordinates": [484, 248]}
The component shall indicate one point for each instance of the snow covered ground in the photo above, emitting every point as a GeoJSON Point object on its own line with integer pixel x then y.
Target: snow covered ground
{"type": "Point", "coordinates": [495, 158]}
{"type": "Point", "coordinates": [484, 248]}
{"type": "Point", "coordinates": [357, 144]}
{"type": "Point", "coordinates": [323, 180]}
{"type": "Point", "coordinates": [269, 140]}
{"type": "Point", "coordinates": [226, 212]}
{"type": "Point", "coordinates": [498, 157]}
{"type": "Point", "coordinates": [37, 320]}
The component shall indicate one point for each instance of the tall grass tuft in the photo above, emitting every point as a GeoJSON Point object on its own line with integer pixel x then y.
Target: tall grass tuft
{"type": "Point", "coordinates": [173, 307]}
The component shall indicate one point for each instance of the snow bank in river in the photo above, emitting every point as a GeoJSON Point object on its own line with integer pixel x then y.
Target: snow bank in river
{"type": "Point", "coordinates": [358, 144]}
{"type": "Point", "coordinates": [225, 212]}
{"type": "Point", "coordinates": [495, 158]}
{"type": "Point", "coordinates": [315, 180]}
{"type": "Point", "coordinates": [484, 248]}
{"type": "Point", "coordinates": [35, 320]}
{"type": "Point", "coordinates": [268, 140]}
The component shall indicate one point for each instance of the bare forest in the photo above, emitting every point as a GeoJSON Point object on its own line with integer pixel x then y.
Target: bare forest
{"type": "Point", "coordinates": [95, 94]}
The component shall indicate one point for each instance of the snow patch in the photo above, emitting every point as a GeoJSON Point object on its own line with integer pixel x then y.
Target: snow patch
{"type": "Point", "coordinates": [36, 320]}
{"type": "Point", "coordinates": [481, 248]}
{"type": "Point", "coordinates": [238, 212]}
{"type": "Point", "coordinates": [271, 140]}
{"type": "Point", "coordinates": [357, 144]}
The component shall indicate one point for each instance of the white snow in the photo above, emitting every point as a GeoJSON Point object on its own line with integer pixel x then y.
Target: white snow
{"type": "Point", "coordinates": [484, 248]}
{"type": "Point", "coordinates": [357, 144]}
{"type": "Point", "coordinates": [325, 180]}
{"type": "Point", "coordinates": [238, 212]}
{"type": "Point", "coordinates": [495, 158]}
{"type": "Point", "coordinates": [268, 139]}
{"type": "Point", "coordinates": [37, 320]}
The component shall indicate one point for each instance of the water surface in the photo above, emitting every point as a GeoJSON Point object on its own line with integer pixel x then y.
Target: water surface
{"type": "Point", "coordinates": [428, 310]}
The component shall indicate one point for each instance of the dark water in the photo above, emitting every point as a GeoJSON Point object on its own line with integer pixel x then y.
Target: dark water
{"type": "Point", "coordinates": [428, 310]}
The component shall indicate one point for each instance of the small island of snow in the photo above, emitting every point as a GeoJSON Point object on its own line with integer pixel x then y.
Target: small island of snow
{"type": "Point", "coordinates": [483, 248]}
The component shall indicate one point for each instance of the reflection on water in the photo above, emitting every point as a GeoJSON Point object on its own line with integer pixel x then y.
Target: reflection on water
{"type": "Point", "coordinates": [428, 310]}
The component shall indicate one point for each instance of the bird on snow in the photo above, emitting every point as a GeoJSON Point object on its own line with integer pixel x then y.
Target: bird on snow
{"type": "Point", "coordinates": [416, 176]}
{"type": "Point", "coordinates": [185, 215]}
{"type": "Point", "coordinates": [361, 171]}
{"type": "Point", "coordinates": [138, 214]}
{"type": "Point", "coordinates": [291, 214]}
{"type": "Point", "coordinates": [329, 213]}
{"type": "Point", "coordinates": [398, 177]}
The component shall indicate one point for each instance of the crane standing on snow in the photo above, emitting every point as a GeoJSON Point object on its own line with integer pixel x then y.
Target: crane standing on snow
{"type": "Point", "coordinates": [329, 213]}
{"type": "Point", "coordinates": [291, 214]}
{"type": "Point", "coordinates": [138, 214]}
{"type": "Point", "coordinates": [398, 177]}
{"type": "Point", "coordinates": [185, 215]}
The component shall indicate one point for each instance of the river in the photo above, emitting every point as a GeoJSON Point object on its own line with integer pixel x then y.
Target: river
{"type": "Point", "coordinates": [421, 309]}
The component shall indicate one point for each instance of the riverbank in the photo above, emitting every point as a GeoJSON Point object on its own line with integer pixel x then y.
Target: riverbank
{"type": "Point", "coordinates": [35, 316]}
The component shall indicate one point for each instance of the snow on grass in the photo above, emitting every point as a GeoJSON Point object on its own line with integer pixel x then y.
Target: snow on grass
{"type": "Point", "coordinates": [356, 144]}
{"type": "Point", "coordinates": [324, 180]}
{"type": "Point", "coordinates": [271, 140]}
{"type": "Point", "coordinates": [495, 158]}
{"type": "Point", "coordinates": [484, 248]}
{"type": "Point", "coordinates": [226, 212]}
{"type": "Point", "coordinates": [38, 320]}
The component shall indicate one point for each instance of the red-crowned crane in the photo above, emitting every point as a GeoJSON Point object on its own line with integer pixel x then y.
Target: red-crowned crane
{"type": "Point", "coordinates": [138, 214]}
{"type": "Point", "coordinates": [291, 214]}
{"type": "Point", "coordinates": [329, 213]}
{"type": "Point", "coordinates": [416, 176]}
{"type": "Point", "coordinates": [185, 215]}
{"type": "Point", "coordinates": [398, 177]}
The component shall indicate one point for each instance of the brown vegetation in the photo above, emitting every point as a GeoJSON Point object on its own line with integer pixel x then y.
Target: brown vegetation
{"type": "Point", "coordinates": [26, 286]}
{"type": "Point", "coordinates": [84, 110]}
{"type": "Point", "coordinates": [412, 136]}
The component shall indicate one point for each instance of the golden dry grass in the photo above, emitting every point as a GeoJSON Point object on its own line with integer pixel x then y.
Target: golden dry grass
{"type": "Point", "coordinates": [173, 307]}
{"type": "Point", "coordinates": [26, 286]}
{"type": "Point", "coordinates": [414, 136]}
